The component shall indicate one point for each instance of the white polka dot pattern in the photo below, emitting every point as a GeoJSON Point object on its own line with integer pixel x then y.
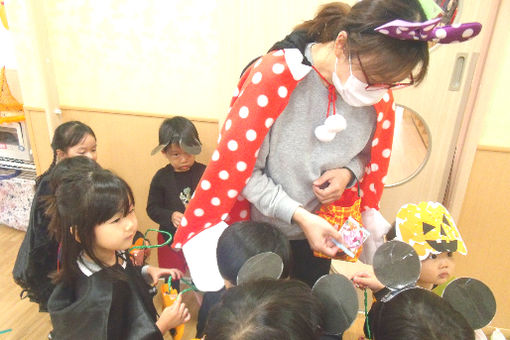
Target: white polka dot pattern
{"type": "Point", "coordinates": [215, 156]}
{"type": "Point", "coordinates": [282, 91]}
{"type": "Point", "coordinates": [266, 86]}
{"type": "Point", "coordinates": [251, 135]}
{"type": "Point", "coordinates": [257, 77]}
{"type": "Point", "coordinates": [241, 166]}
{"type": "Point", "coordinates": [430, 31]}
{"type": "Point", "coordinates": [244, 112]}
{"type": "Point", "coordinates": [232, 145]}
{"type": "Point", "coordinates": [205, 184]}
{"type": "Point", "coordinates": [262, 100]}
{"type": "Point", "coordinates": [224, 175]}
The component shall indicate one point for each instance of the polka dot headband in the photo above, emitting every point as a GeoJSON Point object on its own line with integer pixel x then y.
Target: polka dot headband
{"type": "Point", "coordinates": [428, 31]}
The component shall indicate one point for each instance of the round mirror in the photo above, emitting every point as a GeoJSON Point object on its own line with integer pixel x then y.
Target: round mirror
{"type": "Point", "coordinates": [411, 146]}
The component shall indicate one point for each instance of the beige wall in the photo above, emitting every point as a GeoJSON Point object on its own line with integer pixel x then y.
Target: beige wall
{"type": "Point", "coordinates": [494, 90]}
{"type": "Point", "coordinates": [124, 143]}
{"type": "Point", "coordinates": [484, 220]}
{"type": "Point", "coordinates": [484, 225]}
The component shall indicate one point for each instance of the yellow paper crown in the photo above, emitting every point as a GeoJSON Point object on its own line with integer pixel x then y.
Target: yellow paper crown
{"type": "Point", "coordinates": [429, 228]}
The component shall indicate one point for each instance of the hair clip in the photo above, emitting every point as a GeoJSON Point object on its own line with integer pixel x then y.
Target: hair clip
{"type": "Point", "coordinates": [430, 31]}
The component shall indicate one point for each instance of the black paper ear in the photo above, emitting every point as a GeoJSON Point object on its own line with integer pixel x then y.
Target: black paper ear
{"type": "Point", "coordinates": [266, 265]}
{"type": "Point", "coordinates": [397, 265]}
{"type": "Point", "coordinates": [338, 296]}
{"type": "Point", "coordinates": [473, 299]}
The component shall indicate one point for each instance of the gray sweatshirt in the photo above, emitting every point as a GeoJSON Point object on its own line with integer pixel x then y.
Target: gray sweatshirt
{"type": "Point", "coordinates": [291, 158]}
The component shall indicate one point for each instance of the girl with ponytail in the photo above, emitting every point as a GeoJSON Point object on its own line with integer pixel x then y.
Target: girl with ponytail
{"type": "Point", "coordinates": [100, 294]}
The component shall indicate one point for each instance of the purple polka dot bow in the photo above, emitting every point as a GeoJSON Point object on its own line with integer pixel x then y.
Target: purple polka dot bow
{"type": "Point", "coordinates": [429, 31]}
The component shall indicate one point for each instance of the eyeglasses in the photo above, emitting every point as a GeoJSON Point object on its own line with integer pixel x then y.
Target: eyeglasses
{"type": "Point", "coordinates": [383, 86]}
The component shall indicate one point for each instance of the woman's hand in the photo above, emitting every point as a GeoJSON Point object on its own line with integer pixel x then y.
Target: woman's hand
{"type": "Point", "coordinates": [156, 273]}
{"type": "Point", "coordinates": [173, 316]}
{"type": "Point", "coordinates": [367, 280]}
{"type": "Point", "coordinates": [176, 218]}
{"type": "Point", "coordinates": [318, 232]}
{"type": "Point", "coordinates": [331, 185]}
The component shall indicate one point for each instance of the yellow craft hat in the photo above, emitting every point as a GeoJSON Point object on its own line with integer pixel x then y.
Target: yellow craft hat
{"type": "Point", "coordinates": [429, 228]}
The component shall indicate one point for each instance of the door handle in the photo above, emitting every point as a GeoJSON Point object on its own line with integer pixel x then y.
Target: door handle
{"type": "Point", "coordinates": [458, 72]}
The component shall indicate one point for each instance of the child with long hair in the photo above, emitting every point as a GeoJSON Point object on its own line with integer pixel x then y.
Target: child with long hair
{"type": "Point", "coordinates": [100, 293]}
{"type": "Point", "coordinates": [38, 253]}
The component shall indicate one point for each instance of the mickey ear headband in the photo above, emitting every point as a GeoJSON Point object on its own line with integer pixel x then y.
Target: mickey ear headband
{"type": "Point", "coordinates": [397, 266]}
{"type": "Point", "coordinates": [267, 265]}
{"type": "Point", "coordinates": [334, 291]}
{"type": "Point", "coordinates": [429, 31]}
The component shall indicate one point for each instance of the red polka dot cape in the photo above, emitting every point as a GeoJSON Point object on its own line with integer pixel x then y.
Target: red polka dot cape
{"type": "Point", "coordinates": [262, 94]}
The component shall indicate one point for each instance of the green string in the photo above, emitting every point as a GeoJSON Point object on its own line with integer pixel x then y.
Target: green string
{"type": "Point", "coordinates": [156, 245]}
{"type": "Point", "coordinates": [367, 324]}
{"type": "Point", "coordinates": [169, 279]}
{"type": "Point", "coordinates": [190, 284]}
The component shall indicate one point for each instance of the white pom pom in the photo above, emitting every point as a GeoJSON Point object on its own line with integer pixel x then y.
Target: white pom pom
{"type": "Point", "coordinates": [322, 134]}
{"type": "Point", "coordinates": [335, 123]}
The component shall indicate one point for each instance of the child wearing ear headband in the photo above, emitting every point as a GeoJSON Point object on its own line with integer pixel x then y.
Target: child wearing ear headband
{"type": "Point", "coordinates": [100, 294]}
{"type": "Point", "coordinates": [236, 245]}
{"type": "Point", "coordinates": [429, 228]}
{"type": "Point", "coordinates": [419, 315]}
{"type": "Point", "coordinates": [267, 309]}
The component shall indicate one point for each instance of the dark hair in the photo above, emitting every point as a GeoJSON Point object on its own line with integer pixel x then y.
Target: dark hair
{"type": "Point", "coordinates": [178, 130]}
{"type": "Point", "coordinates": [392, 233]}
{"type": "Point", "coordinates": [418, 314]}
{"type": "Point", "coordinates": [266, 309]}
{"type": "Point", "coordinates": [82, 201]}
{"type": "Point", "coordinates": [242, 240]}
{"type": "Point", "coordinates": [66, 135]}
{"type": "Point", "coordinates": [67, 165]}
{"type": "Point", "coordinates": [385, 55]}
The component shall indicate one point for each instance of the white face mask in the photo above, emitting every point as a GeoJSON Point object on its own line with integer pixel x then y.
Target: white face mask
{"type": "Point", "coordinates": [354, 91]}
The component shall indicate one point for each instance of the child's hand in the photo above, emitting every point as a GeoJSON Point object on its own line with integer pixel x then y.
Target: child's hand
{"type": "Point", "coordinates": [156, 273]}
{"type": "Point", "coordinates": [176, 218]}
{"type": "Point", "coordinates": [367, 280]}
{"type": "Point", "coordinates": [173, 316]}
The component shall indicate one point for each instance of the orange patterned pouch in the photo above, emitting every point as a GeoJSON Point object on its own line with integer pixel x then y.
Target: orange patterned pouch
{"type": "Point", "coordinates": [347, 220]}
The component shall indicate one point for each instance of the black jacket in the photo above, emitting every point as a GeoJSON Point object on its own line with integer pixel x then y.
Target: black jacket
{"type": "Point", "coordinates": [167, 188]}
{"type": "Point", "coordinates": [37, 256]}
{"type": "Point", "coordinates": [100, 307]}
